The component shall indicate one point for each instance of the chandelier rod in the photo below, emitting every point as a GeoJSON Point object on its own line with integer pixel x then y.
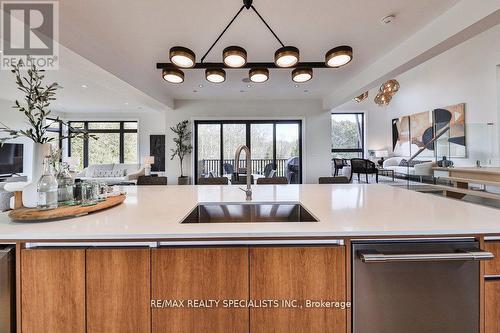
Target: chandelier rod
{"type": "Point", "coordinates": [222, 33]}
{"type": "Point", "coordinates": [246, 4]}
{"type": "Point", "coordinates": [267, 25]}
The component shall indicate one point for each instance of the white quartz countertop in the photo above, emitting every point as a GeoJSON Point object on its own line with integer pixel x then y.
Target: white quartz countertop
{"type": "Point", "coordinates": [154, 213]}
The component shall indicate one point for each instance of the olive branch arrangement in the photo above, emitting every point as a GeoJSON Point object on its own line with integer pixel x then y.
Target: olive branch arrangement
{"type": "Point", "coordinates": [36, 104]}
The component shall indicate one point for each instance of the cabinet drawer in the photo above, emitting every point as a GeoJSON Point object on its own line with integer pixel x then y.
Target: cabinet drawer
{"type": "Point", "coordinates": [492, 267]}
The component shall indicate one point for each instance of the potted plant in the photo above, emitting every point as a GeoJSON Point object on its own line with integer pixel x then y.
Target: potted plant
{"type": "Point", "coordinates": [182, 148]}
{"type": "Point", "coordinates": [35, 108]}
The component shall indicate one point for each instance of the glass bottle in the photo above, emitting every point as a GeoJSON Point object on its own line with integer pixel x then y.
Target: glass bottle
{"type": "Point", "coordinates": [47, 187]}
{"type": "Point", "coordinates": [65, 185]}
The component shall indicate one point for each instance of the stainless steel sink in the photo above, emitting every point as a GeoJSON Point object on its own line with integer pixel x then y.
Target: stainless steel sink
{"type": "Point", "coordinates": [249, 213]}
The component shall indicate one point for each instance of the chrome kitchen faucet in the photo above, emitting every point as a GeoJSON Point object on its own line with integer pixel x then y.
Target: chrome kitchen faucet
{"type": "Point", "coordinates": [248, 190]}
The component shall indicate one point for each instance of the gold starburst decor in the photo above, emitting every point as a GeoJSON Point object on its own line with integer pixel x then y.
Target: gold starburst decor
{"type": "Point", "coordinates": [361, 98]}
{"type": "Point", "coordinates": [386, 92]}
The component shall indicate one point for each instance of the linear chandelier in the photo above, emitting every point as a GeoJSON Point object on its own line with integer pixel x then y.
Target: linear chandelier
{"type": "Point", "coordinates": [235, 57]}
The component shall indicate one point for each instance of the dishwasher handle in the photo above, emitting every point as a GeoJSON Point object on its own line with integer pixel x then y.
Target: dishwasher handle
{"type": "Point", "coordinates": [371, 256]}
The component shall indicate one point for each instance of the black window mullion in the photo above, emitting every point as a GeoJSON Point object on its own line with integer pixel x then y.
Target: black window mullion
{"type": "Point", "coordinates": [274, 146]}
{"type": "Point", "coordinates": [85, 147]}
{"type": "Point", "coordinates": [122, 143]}
{"type": "Point", "coordinates": [221, 150]}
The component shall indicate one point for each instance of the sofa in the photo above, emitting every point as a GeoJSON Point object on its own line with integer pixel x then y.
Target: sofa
{"type": "Point", "coordinates": [419, 168]}
{"type": "Point", "coordinates": [112, 174]}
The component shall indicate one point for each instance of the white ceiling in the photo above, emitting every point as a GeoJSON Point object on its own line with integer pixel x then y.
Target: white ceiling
{"type": "Point", "coordinates": [128, 37]}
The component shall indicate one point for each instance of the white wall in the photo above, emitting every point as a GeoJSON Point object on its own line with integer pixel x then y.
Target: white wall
{"type": "Point", "coordinates": [149, 123]}
{"type": "Point", "coordinates": [464, 74]}
{"type": "Point", "coordinates": [316, 128]}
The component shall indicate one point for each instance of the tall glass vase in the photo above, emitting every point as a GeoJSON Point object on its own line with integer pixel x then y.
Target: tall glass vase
{"type": "Point", "coordinates": [30, 195]}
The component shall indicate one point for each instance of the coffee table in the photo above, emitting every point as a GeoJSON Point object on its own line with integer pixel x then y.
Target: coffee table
{"type": "Point", "coordinates": [386, 172]}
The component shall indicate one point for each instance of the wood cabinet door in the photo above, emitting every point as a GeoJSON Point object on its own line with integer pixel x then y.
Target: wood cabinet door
{"type": "Point", "coordinates": [200, 274]}
{"type": "Point", "coordinates": [492, 267]}
{"type": "Point", "coordinates": [492, 306]}
{"type": "Point", "coordinates": [118, 290]}
{"type": "Point", "coordinates": [53, 290]}
{"type": "Point", "coordinates": [298, 273]}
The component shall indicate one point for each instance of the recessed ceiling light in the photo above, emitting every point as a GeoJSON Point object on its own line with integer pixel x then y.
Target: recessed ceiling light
{"type": "Point", "coordinates": [84, 86]}
{"type": "Point", "coordinates": [173, 75]}
{"type": "Point", "coordinates": [249, 86]}
{"type": "Point", "coordinates": [234, 56]}
{"type": "Point", "coordinates": [302, 75]}
{"type": "Point", "coordinates": [296, 86]}
{"type": "Point", "coordinates": [182, 57]}
{"type": "Point", "coordinates": [126, 103]}
{"type": "Point", "coordinates": [286, 56]}
{"type": "Point", "coordinates": [200, 86]}
{"type": "Point", "coordinates": [259, 75]}
{"type": "Point", "coordinates": [215, 75]}
{"type": "Point", "coordinates": [338, 56]}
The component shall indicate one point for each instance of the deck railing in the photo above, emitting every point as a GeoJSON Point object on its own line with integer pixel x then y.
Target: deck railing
{"type": "Point", "coordinates": [258, 165]}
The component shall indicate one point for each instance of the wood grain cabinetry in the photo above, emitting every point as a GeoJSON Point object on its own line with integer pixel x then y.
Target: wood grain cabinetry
{"type": "Point", "coordinates": [492, 267]}
{"type": "Point", "coordinates": [492, 306]}
{"type": "Point", "coordinates": [53, 290]}
{"type": "Point", "coordinates": [200, 274]}
{"type": "Point", "coordinates": [298, 273]}
{"type": "Point", "coordinates": [118, 290]}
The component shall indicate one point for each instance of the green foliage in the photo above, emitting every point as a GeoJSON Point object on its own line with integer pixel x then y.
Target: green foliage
{"type": "Point", "coordinates": [182, 140]}
{"type": "Point", "coordinates": [35, 108]}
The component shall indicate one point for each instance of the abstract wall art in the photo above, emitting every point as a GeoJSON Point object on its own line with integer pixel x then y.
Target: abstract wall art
{"type": "Point", "coordinates": [414, 132]}
{"type": "Point", "coordinates": [157, 149]}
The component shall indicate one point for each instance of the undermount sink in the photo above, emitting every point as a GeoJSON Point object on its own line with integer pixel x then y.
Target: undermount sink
{"type": "Point", "coordinates": [249, 213]}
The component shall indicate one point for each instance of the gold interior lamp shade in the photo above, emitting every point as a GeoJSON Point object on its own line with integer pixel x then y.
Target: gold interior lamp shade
{"type": "Point", "coordinates": [215, 75]}
{"type": "Point", "coordinates": [382, 99]}
{"type": "Point", "coordinates": [259, 75]}
{"type": "Point", "coordinates": [390, 87]}
{"type": "Point", "coordinates": [234, 56]}
{"type": "Point", "coordinates": [287, 56]}
{"type": "Point", "coordinates": [361, 98]}
{"type": "Point", "coordinates": [182, 57]}
{"type": "Point", "coordinates": [339, 56]}
{"type": "Point", "coordinates": [301, 75]}
{"type": "Point", "coordinates": [173, 75]}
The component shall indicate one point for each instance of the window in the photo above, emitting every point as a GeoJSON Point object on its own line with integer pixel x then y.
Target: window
{"type": "Point", "coordinates": [275, 145]}
{"type": "Point", "coordinates": [347, 135]}
{"type": "Point", "coordinates": [116, 142]}
{"type": "Point", "coordinates": [54, 131]}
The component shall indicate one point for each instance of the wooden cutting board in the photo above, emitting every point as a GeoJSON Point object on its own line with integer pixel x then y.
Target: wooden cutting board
{"type": "Point", "coordinates": [34, 214]}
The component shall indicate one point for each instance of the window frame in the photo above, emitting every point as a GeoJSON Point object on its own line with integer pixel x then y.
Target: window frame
{"type": "Point", "coordinates": [121, 131]}
{"type": "Point", "coordinates": [350, 150]}
{"type": "Point", "coordinates": [59, 130]}
{"type": "Point", "coordinates": [248, 124]}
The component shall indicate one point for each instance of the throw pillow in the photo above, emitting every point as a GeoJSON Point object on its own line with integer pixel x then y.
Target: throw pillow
{"type": "Point", "coordinates": [403, 163]}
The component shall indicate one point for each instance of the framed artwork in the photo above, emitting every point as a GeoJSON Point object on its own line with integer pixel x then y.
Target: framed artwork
{"type": "Point", "coordinates": [414, 132]}
{"type": "Point", "coordinates": [157, 149]}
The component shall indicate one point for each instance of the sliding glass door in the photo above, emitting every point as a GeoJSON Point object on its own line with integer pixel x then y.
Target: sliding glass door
{"type": "Point", "coordinates": [275, 146]}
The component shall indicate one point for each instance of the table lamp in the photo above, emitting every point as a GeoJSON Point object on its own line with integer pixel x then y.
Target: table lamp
{"type": "Point", "coordinates": [381, 154]}
{"type": "Point", "coordinates": [148, 160]}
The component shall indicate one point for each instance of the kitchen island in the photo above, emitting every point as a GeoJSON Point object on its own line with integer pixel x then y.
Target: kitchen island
{"type": "Point", "coordinates": [135, 267]}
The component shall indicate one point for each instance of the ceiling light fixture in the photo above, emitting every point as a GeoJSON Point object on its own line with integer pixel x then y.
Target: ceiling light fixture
{"type": "Point", "coordinates": [173, 75]}
{"type": "Point", "coordinates": [234, 57]}
{"type": "Point", "coordinates": [259, 75]}
{"type": "Point", "coordinates": [338, 56]}
{"type": "Point", "coordinates": [301, 75]}
{"type": "Point", "coordinates": [215, 75]}
{"type": "Point", "coordinates": [287, 56]}
{"type": "Point", "coordinates": [182, 57]}
{"type": "Point", "coordinates": [361, 98]}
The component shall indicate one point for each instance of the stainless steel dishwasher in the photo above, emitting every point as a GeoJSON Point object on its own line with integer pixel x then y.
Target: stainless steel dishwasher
{"type": "Point", "coordinates": [415, 285]}
{"type": "Point", "coordinates": [7, 289]}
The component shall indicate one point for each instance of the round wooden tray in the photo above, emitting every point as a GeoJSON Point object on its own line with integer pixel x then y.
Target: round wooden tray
{"type": "Point", "coordinates": [35, 215]}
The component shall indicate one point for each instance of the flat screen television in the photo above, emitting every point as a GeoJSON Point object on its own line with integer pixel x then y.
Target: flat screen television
{"type": "Point", "coordinates": [11, 158]}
